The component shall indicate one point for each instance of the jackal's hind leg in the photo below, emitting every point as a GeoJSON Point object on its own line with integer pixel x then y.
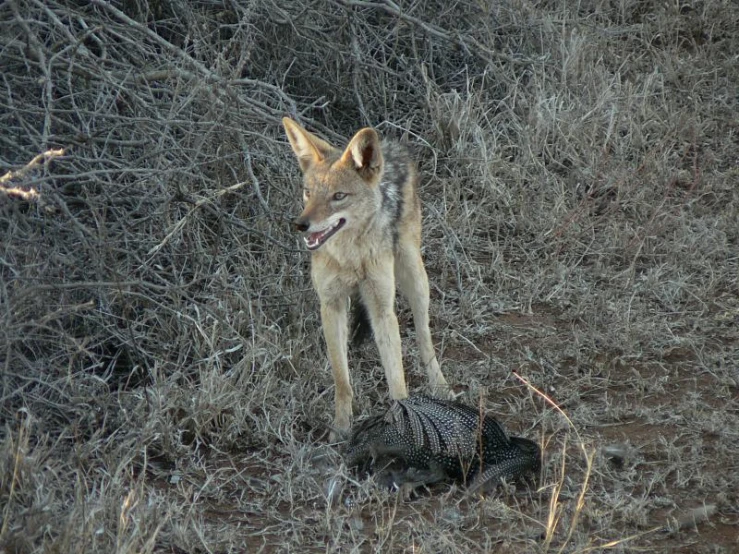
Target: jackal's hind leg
{"type": "Point", "coordinates": [378, 295]}
{"type": "Point", "coordinates": [414, 285]}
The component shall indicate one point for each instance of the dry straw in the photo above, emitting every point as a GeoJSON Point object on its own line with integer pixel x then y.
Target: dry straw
{"type": "Point", "coordinates": [163, 382]}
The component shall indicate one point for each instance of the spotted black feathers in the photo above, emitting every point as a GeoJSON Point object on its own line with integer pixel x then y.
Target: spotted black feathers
{"type": "Point", "coordinates": [425, 433]}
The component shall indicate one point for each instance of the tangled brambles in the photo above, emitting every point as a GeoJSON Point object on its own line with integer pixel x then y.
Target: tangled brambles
{"type": "Point", "coordinates": [164, 381]}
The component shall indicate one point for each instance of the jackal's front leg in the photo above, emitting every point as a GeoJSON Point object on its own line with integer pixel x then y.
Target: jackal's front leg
{"type": "Point", "coordinates": [335, 331]}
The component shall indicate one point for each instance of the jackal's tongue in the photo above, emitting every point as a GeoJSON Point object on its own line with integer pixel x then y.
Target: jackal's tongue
{"type": "Point", "coordinates": [314, 240]}
{"type": "Point", "coordinates": [316, 237]}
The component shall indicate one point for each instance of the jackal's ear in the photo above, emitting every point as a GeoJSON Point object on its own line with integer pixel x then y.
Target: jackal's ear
{"type": "Point", "coordinates": [364, 153]}
{"type": "Point", "coordinates": [307, 147]}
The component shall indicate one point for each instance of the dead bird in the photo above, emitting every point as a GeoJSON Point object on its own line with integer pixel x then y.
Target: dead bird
{"type": "Point", "coordinates": [423, 440]}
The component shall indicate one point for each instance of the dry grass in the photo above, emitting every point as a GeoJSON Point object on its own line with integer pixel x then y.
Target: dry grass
{"type": "Point", "coordinates": [164, 385]}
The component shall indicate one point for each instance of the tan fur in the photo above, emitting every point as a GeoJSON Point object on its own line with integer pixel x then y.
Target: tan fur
{"type": "Point", "coordinates": [377, 245]}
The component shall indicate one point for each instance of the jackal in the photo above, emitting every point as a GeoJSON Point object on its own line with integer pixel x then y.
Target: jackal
{"type": "Point", "coordinates": [362, 224]}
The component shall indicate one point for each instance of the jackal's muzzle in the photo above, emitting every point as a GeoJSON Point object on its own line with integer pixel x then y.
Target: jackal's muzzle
{"type": "Point", "coordinates": [315, 239]}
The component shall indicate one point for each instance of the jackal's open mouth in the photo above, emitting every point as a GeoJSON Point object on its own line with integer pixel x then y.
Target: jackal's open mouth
{"type": "Point", "coordinates": [314, 240]}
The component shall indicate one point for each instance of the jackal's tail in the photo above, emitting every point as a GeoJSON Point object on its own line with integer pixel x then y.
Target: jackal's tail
{"type": "Point", "coordinates": [361, 328]}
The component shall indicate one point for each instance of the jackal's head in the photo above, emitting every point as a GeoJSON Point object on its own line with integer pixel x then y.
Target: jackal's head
{"type": "Point", "coordinates": [339, 188]}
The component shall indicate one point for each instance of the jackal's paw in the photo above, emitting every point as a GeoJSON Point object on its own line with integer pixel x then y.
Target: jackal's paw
{"type": "Point", "coordinates": [339, 433]}
{"type": "Point", "coordinates": [336, 437]}
{"type": "Point", "coordinates": [439, 388]}
{"type": "Point", "coordinates": [444, 391]}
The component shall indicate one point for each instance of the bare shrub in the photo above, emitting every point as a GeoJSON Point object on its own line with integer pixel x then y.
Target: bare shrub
{"type": "Point", "coordinates": [164, 385]}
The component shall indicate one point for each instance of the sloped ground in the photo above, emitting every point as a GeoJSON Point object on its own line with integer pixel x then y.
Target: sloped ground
{"type": "Point", "coordinates": [164, 385]}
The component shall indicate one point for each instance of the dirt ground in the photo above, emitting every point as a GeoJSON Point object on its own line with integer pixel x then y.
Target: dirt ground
{"type": "Point", "coordinates": [164, 385]}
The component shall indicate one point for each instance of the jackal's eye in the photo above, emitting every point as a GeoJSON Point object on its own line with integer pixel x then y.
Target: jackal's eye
{"type": "Point", "coordinates": [339, 196]}
{"type": "Point", "coordinates": [306, 193]}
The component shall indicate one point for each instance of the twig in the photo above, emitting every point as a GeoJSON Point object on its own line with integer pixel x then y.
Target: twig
{"type": "Point", "coordinates": [588, 455]}
{"type": "Point", "coordinates": [181, 223]}
{"type": "Point", "coordinates": [46, 157]}
{"type": "Point", "coordinates": [28, 194]}
{"type": "Point", "coordinates": [255, 182]}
